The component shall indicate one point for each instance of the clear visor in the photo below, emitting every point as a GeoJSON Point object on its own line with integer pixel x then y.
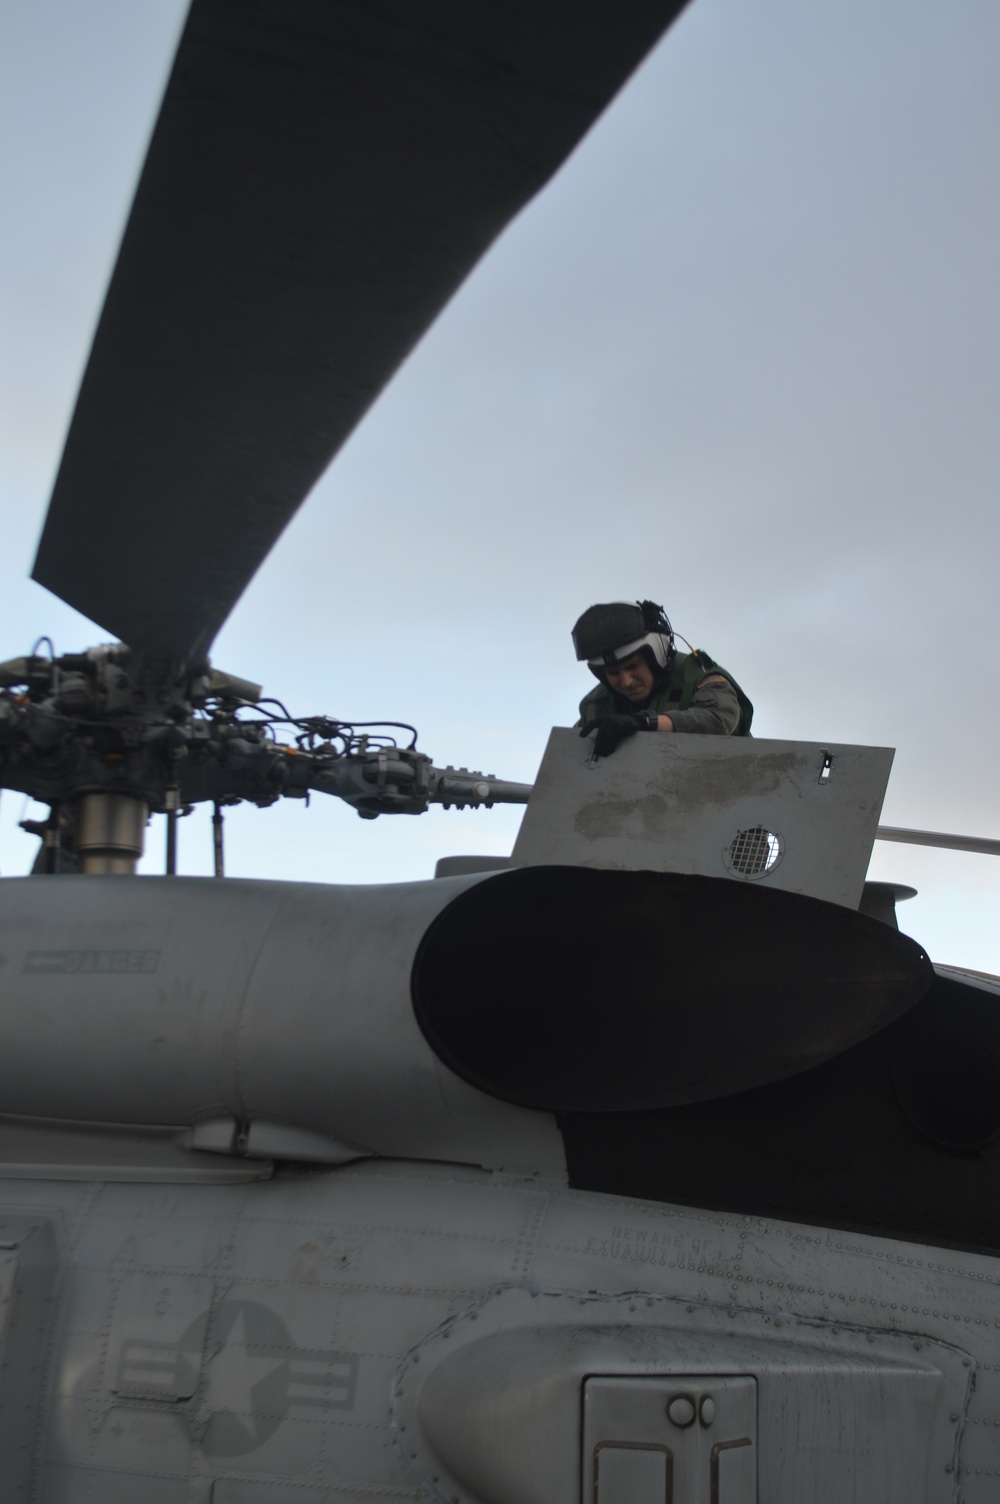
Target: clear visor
{"type": "Point", "coordinates": [618, 655]}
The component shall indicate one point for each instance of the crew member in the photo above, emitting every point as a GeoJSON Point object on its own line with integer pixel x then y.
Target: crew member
{"type": "Point", "coordinates": [645, 684]}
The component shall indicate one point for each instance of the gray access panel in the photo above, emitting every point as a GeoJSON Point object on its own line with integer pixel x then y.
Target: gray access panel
{"type": "Point", "coordinates": [683, 1437]}
{"type": "Point", "coordinates": [800, 816]}
{"type": "Point", "coordinates": [557, 1397]}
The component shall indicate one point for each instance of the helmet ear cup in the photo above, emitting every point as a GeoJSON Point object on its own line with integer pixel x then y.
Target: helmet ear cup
{"type": "Point", "coordinates": [660, 634]}
{"type": "Point", "coordinates": [660, 652]}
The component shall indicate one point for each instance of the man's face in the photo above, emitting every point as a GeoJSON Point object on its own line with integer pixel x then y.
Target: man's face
{"type": "Point", "coordinates": [632, 678]}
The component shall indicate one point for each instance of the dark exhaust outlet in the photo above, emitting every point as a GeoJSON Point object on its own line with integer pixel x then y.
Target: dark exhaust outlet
{"type": "Point", "coordinates": [580, 990]}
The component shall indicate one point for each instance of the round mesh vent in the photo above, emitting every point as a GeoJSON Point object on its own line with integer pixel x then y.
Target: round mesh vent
{"type": "Point", "coordinates": [753, 852]}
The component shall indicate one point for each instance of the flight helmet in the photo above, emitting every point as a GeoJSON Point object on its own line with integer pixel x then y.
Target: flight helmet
{"type": "Point", "coordinates": [608, 634]}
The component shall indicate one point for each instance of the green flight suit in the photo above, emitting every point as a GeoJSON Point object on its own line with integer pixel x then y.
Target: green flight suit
{"type": "Point", "coordinates": [718, 709]}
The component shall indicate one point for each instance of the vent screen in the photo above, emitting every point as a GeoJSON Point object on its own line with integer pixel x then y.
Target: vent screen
{"type": "Point", "coordinates": [753, 852]}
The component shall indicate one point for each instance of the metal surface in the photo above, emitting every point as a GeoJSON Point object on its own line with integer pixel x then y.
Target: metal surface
{"type": "Point", "coordinates": [428, 1331]}
{"type": "Point", "coordinates": [867, 1418]}
{"type": "Point", "coordinates": [172, 1000]}
{"type": "Point", "coordinates": [110, 833]}
{"type": "Point", "coordinates": [880, 900]}
{"type": "Point", "coordinates": [424, 1332]}
{"type": "Point", "coordinates": [36, 1149]}
{"type": "Point", "coordinates": [28, 1271]}
{"type": "Point", "coordinates": [322, 177]}
{"type": "Point", "coordinates": [693, 804]}
{"type": "Point", "coordinates": [463, 866]}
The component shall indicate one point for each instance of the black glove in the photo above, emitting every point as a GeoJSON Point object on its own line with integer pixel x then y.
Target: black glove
{"type": "Point", "coordinates": [612, 729]}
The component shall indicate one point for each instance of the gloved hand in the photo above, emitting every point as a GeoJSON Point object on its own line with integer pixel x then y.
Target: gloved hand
{"type": "Point", "coordinates": [611, 730]}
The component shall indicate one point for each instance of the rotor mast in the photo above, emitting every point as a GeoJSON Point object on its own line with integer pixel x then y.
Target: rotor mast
{"type": "Point", "coordinates": [110, 833]}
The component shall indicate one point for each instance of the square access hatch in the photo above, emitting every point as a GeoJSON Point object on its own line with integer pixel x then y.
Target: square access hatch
{"type": "Point", "coordinates": [682, 1439]}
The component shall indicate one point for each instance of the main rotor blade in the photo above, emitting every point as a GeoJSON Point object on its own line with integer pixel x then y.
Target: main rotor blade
{"type": "Point", "coordinates": [322, 177]}
{"type": "Point", "coordinates": [985, 845]}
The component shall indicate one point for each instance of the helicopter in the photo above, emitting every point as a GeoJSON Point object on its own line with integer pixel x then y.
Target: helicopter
{"type": "Point", "coordinates": [278, 1225]}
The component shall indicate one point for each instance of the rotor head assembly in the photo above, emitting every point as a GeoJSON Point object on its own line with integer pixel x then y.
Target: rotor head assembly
{"type": "Point", "coordinates": [109, 737]}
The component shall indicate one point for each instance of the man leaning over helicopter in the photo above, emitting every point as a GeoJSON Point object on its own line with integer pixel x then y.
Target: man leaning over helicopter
{"type": "Point", "coordinates": [645, 684]}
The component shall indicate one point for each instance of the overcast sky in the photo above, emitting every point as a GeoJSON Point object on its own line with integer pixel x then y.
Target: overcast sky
{"type": "Point", "coordinates": [741, 357]}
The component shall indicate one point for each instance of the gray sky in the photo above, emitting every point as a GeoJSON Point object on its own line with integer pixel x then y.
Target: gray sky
{"type": "Point", "coordinates": [741, 357]}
